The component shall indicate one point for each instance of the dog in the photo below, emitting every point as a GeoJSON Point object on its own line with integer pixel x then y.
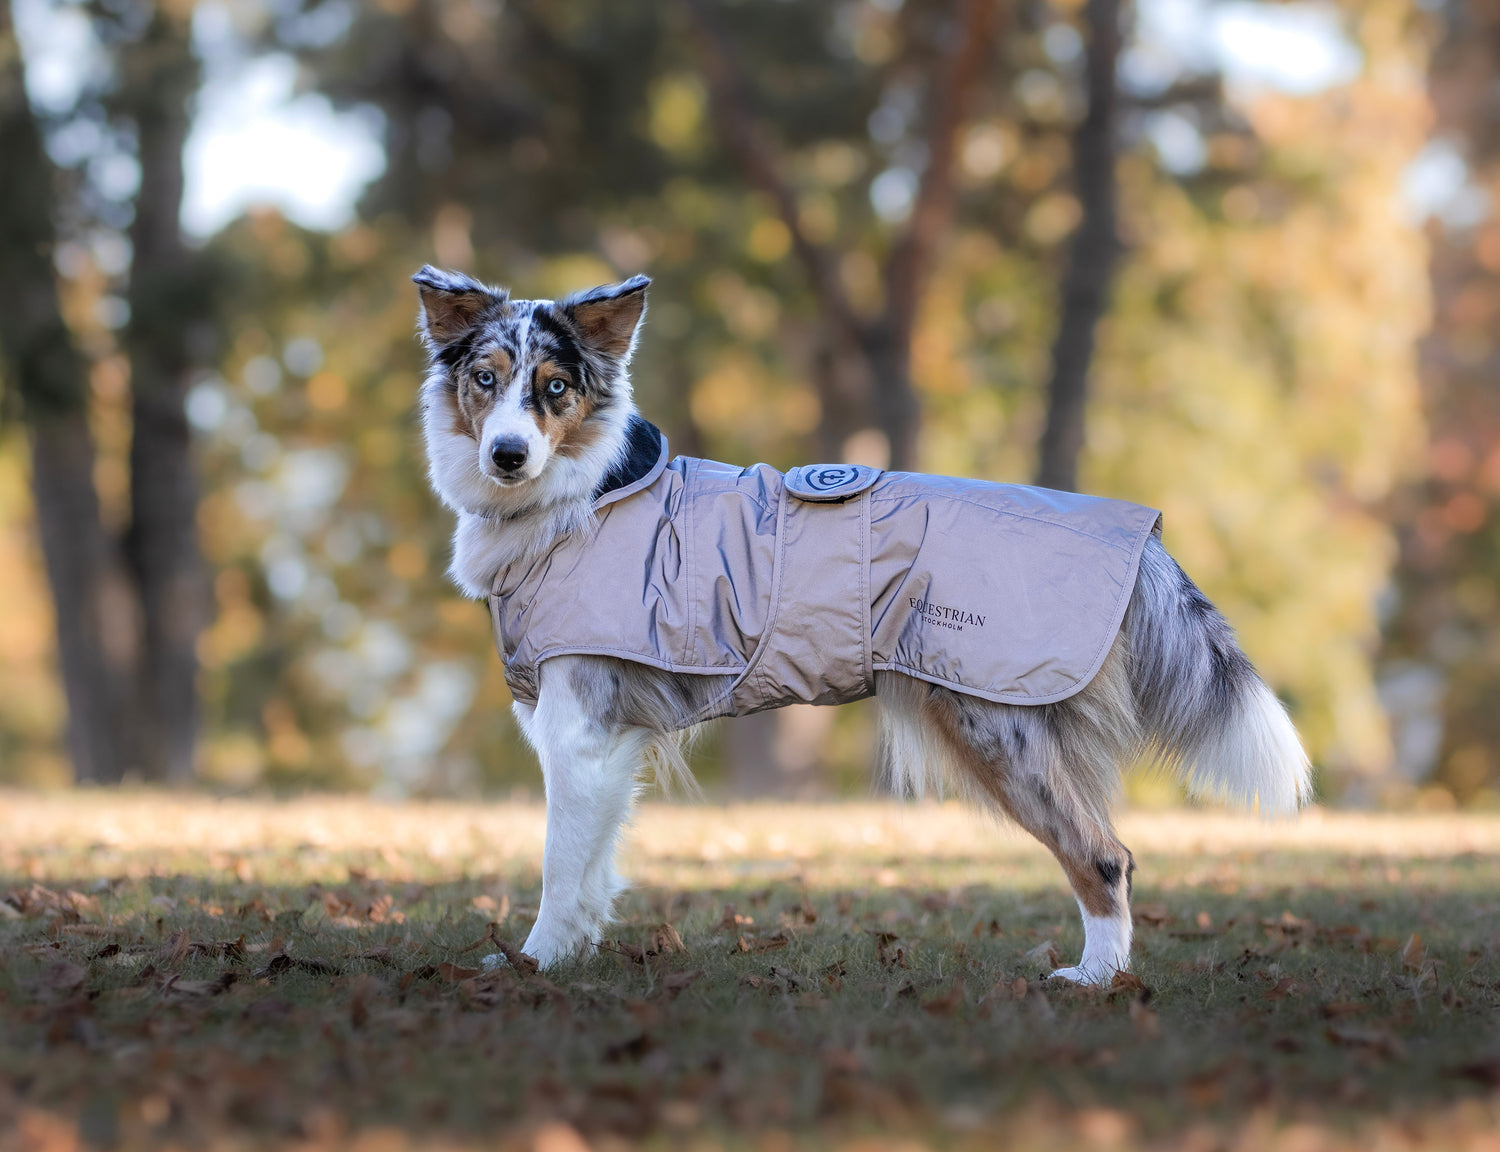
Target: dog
{"type": "Point", "coordinates": [562, 491]}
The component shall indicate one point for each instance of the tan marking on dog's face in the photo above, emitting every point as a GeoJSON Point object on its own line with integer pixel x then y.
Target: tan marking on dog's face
{"type": "Point", "coordinates": [476, 399]}
{"type": "Point", "coordinates": [563, 419]}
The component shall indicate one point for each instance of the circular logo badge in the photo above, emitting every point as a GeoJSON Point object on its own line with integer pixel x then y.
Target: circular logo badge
{"type": "Point", "coordinates": [827, 479]}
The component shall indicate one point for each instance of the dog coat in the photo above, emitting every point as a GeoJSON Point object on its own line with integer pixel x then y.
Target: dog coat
{"type": "Point", "coordinates": [799, 587]}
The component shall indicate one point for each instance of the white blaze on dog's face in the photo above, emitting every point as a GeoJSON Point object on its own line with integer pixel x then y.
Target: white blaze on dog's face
{"type": "Point", "coordinates": [526, 400]}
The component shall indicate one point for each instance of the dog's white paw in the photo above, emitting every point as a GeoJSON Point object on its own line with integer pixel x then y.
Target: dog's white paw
{"type": "Point", "coordinates": [1080, 975]}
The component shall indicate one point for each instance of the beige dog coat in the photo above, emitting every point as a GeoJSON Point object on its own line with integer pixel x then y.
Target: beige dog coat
{"type": "Point", "coordinates": [799, 587]}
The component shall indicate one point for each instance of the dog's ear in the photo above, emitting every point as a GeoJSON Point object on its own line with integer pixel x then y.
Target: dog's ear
{"type": "Point", "coordinates": [608, 317]}
{"type": "Point", "coordinates": [451, 303]}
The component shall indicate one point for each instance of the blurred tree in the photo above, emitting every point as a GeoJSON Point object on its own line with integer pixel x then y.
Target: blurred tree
{"type": "Point", "coordinates": [1441, 661]}
{"type": "Point", "coordinates": [866, 376]}
{"type": "Point", "coordinates": [1257, 375]}
{"type": "Point", "coordinates": [1091, 255]}
{"type": "Point", "coordinates": [48, 382]}
{"type": "Point", "coordinates": [169, 336]}
{"type": "Point", "coordinates": [129, 605]}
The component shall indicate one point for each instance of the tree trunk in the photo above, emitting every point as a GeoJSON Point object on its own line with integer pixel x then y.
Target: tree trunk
{"type": "Point", "coordinates": [169, 303]}
{"type": "Point", "coordinates": [897, 413]}
{"type": "Point", "coordinates": [95, 625]}
{"type": "Point", "coordinates": [1091, 260]}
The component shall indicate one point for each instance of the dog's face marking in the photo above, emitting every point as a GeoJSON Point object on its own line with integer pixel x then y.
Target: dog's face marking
{"type": "Point", "coordinates": [526, 383]}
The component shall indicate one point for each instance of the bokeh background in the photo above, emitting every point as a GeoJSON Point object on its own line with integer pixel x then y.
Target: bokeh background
{"type": "Point", "coordinates": [1237, 260]}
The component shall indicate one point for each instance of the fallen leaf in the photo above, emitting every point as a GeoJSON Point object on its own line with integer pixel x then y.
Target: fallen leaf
{"type": "Point", "coordinates": [1337, 1009]}
{"type": "Point", "coordinates": [523, 964]}
{"type": "Point", "coordinates": [1283, 988]}
{"type": "Point", "coordinates": [632, 1049]}
{"type": "Point", "coordinates": [453, 973]}
{"type": "Point", "coordinates": [200, 987]}
{"type": "Point", "coordinates": [1144, 1019]}
{"type": "Point", "coordinates": [1373, 1039]}
{"type": "Point", "coordinates": [1129, 984]}
{"type": "Point", "coordinates": [945, 1003]}
{"type": "Point", "coordinates": [628, 953]}
{"type": "Point", "coordinates": [177, 951]}
{"type": "Point", "coordinates": [1154, 915]}
{"type": "Point", "coordinates": [673, 984]}
{"type": "Point", "coordinates": [1044, 955]}
{"type": "Point", "coordinates": [764, 943]}
{"type": "Point", "coordinates": [794, 981]}
{"type": "Point", "coordinates": [64, 975]}
{"type": "Point", "coordinates": [359, 1001]}
{"type": "Point", "coordinates": [1414, 953]}
{"type": "Point", "coordinates": [665, 941]}
{"type": "Point", "coordinates": [1486, 1071]}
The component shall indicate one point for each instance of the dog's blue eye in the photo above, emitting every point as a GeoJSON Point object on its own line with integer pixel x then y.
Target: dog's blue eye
{"type": "Point", "coordinates": [486, 379]}
{"type": "Point", "coordinates": [556, 387]}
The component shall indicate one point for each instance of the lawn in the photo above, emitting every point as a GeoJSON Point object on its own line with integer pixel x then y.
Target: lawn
{"type": "Point", "coordinates": [190, 973]}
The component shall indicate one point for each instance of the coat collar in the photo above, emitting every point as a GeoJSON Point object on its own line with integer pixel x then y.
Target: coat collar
{"type": "Point", "coordinates": [645, 457]}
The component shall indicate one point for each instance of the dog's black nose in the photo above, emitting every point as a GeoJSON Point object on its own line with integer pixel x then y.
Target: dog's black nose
{"type": "Point", "coordinates": [508, 453]}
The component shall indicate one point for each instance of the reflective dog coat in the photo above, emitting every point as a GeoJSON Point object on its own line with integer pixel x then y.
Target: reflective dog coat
{"type": "Point", "coordinates": [799, 587]}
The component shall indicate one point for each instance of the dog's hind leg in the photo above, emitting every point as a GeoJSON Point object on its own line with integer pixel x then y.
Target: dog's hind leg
{"type": "Point", "coordinates": [589, 766]}
{"type": "Point", "coordinates": [1053, 769]}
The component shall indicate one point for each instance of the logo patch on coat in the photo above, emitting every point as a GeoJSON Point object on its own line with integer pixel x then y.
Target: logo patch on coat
{"type": "Point", "coordinates": [944, 616]}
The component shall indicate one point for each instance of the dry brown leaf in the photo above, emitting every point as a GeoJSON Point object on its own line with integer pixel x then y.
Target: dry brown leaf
{"type": "Point", "coordinates": [1486, 1071]}
{"type": "Point", "coordinates": [1373, 1039]}
{"type": "Point", "coordinates": [1414, 953]}
{"type": "Point", "coordinates": [1144, 1019]}
{"type": "Point", "coordinates": [453, 974]}
{"type": "Point", "coordinates": [489, 938]}
{"type": "Point", "coordinates": [665, 941]}
{"type": "Point", "coordinates": [359, 1001]}
{"type": "Point", "coordinates": [1154, 915]}
{"type": "Point", "coordinates": [1044, 955]}
{"type": "Point", "coordinates": [1283, 988]}
{"type": "Point", "coordinates": [199, 987]}
{"type": "Point", "coordinates": [673, 984]}
{"type": "Point", "coordinates": [945, 1003]}
{"type": "Point", "coordinates": [1337, 1009]}
{"type": "Point", "coordinates": [1129, 984]}
{"type": "Point", "coordinates": [764, 943]}
{"type": "Point", "coordinates": [177, 951]}
{"type": "Point", "coordinates": [64, 975]}
{"type": "Point", "coordinates": [732, 921]}
{"type": "Point", "coordinates": [524, 965]}
{"type": "Point", "coordinates": [795, 981]}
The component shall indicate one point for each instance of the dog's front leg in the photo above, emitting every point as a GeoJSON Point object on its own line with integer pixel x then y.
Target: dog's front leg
{"type": "Point", "coordinates": [589, 768]}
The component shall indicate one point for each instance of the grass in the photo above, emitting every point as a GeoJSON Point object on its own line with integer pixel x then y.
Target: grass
{"type": "Point", "coordinates": [189, 973]}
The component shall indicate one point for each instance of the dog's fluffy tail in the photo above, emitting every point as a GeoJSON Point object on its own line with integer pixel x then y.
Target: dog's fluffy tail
{"type": "Point", "coordinates": [1206, 713]}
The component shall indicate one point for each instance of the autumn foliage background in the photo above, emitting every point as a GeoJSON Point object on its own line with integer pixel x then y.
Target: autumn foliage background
{"type": "Point", "coordinates": [1295, 358]}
